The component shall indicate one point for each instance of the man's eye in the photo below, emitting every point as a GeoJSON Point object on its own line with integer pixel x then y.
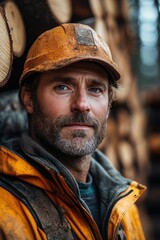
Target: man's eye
{"type": "Point", "coordinates": [95, 90]}
{"type": "Point", "coordinates": [62, 88]}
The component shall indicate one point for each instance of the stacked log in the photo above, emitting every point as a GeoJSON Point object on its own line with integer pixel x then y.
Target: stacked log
{"type": "Point", "coordinates": [112, 23]}
{"type": "Point", "coordinates": [151, 100]}
{"type": "Point", "coordinates": [61, 10]}
{"type": "Point", "coordinates": [98, 12]}
{"type": "Point", "coordinates": [13, 38]}
{"type": "Point", "coordinates": [16, 26]}
{"type": "Point", "coordinates": [130, 149]}
{"type": "Point", "coordinates": [6, 51]}
{"type": "Point", "coordinates": [27, 19]}
{"type": "Point", "coordinates": [40, 15]}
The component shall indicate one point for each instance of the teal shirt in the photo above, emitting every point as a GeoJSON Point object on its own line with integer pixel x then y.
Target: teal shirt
{"type": "Point", "coordinates": [89, 195]}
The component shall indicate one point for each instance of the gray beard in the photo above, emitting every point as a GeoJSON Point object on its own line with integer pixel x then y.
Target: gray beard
{"type": "Point", "coordinates": [75, 143]}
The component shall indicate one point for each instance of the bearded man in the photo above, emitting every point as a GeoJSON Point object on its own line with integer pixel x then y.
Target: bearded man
{"type": "Point", "coordinates": [54, 183]}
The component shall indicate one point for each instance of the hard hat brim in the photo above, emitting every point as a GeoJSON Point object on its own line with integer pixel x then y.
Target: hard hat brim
{"type": "Point", "coordinates": [50, 65]}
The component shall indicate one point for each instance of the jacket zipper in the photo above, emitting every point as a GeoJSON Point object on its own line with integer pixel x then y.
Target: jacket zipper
{"type": "Point", "coordinates": [105, 234]}
{"type": "Point", "coordinates": [84, 205]}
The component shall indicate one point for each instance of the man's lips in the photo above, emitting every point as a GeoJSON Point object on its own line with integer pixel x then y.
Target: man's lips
{"type": "Point", "coordinates": [79, 125]}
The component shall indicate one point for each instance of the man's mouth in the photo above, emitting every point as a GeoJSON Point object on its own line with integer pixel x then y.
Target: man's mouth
{"type": "Point", "coordinates": [79, 126]}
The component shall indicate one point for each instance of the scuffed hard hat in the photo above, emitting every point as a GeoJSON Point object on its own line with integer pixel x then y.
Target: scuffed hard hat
{"type": "Point", "coordinates": [67, 44]}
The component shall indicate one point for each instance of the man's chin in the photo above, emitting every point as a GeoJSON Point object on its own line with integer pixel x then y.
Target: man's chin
{"type": "Point", "coordinates": [78, 146]}
{"type": "Point", "coordinates": [77, 134]}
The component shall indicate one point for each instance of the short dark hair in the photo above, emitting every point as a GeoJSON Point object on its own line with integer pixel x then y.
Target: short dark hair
{"type": "Point", "coordinates": [30, 83]}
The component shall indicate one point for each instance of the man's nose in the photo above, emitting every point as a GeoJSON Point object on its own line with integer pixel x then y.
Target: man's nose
{"type": "Point", "coordinates": [80, 102]}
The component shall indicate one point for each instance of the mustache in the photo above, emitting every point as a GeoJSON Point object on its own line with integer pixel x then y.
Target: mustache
{"type": "Point", "coordinates": [78, 118]}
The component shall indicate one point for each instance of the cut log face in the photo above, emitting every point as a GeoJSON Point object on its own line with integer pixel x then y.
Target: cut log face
{"type": "Point", "coordinates": [96, 8]}
{"type": "Point", "coordinates": [98, 12]}
{"type": "Point", "coordinates": [16, 26]}
{"type": "Point", "coordinates": [61, 10]}
{"type": "Point", "coordinates": [6, 52]}
{"type": "Point", "coordinates": [100, 28]}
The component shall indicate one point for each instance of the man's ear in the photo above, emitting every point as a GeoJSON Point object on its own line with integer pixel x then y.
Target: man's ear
{"type": "Point", "coordinates": [26, 99]}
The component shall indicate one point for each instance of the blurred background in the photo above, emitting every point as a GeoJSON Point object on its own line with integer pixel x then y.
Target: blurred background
{"type": "Point", "coordinates": [132, 30]}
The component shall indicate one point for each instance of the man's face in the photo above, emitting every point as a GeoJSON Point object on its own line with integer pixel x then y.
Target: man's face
{"type": "Point", "coordinates": [71, 110]}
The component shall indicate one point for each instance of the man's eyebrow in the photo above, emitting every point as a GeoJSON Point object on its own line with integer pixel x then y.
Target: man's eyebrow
{"type": "Point", "coordinates": [99, 82]}
{"type": "Point", "coordinates": [62, 80]}
{"type": "Point", "coordinates": [73, 81]}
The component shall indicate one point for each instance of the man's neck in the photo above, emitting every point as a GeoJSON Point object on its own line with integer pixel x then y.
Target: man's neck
{"type": "Point", "coordinates": [78, 166]}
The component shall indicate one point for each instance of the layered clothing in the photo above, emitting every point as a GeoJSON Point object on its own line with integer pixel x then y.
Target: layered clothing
{"type": "Point", "coordinates": [40, 199]}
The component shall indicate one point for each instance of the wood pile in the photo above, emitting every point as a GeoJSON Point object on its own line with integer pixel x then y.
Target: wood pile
{"type": "Point", "coordinates": [126, 139]}
{"type": "Point", "coordinates": [126, 145]}
{"type": "Point", "coordinates": [27, 19]}
{"type": "Point", "coordinates": [151, 99]}
{"type": "Point", "coordinates": [22, 21]}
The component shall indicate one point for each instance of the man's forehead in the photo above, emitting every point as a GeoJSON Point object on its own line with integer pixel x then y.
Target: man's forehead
{"type": "Point", "coordinates": [87, 68]}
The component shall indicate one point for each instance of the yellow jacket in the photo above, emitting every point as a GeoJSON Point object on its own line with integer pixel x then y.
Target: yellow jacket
{"type": "Point", "coordinates": [33, 165]}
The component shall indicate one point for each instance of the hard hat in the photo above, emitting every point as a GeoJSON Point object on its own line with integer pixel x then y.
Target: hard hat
{"type": "Point", "coordinates": [67, 44]}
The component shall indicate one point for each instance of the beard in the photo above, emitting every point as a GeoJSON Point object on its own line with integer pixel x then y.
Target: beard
{"type": "Point", "coordinates": [58, 140]}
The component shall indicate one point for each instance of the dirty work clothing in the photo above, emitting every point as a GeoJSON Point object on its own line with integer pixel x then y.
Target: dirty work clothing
{"type": "Point", "coordinates": [28, 163]}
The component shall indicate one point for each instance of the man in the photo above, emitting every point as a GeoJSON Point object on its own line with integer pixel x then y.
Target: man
{"type": "Point", "coordinates": [54, 183]}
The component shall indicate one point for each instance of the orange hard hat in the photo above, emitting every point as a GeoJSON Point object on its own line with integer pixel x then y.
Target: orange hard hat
{"type": "Point", "coordinates": [67, 44]}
